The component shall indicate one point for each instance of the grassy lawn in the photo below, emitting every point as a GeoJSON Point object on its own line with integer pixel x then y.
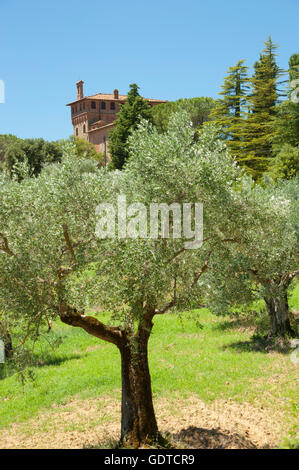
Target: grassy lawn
{"type": "Point", "coordinates": [205, 355]}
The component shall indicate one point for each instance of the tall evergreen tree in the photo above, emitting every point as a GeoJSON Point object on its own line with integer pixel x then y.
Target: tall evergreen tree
{"type": "Point", "coordinates": [259, 131]}
{"type": "Point", "coordinates": [128, 117]}
{"type": "Point", "coordinates": [228, 113]}
{"type": "Point", "coordinates": [233, 92]}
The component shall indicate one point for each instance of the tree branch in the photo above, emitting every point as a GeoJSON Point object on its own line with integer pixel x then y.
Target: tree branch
{"type": "Point", "coordinates": [68, 242]}
{"type": "Point", "coordinates": [203, 269]}
{"type": "Point", "coordinates": [293, 274]}
{"type": "Point", "coordinates": [166, 307]}
{"type": "Point", "coordinates": [184, 249]}
{"type": "Point", "coordinates": [145, 325]}
{"type": "Point", "coordinates": [4, 246]}
{"type": "Point", "coordinates": [71, 316]}
{"type": "Point", "coordinates": [260, 279]}
{"type": "Point", "coordinates": [173, 302]}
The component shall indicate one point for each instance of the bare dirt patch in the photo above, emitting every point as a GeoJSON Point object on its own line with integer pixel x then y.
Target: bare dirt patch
{"type": "Point", "coordinates": [220, 424]}
{"type": "Point", "coordinates": [190, 422]}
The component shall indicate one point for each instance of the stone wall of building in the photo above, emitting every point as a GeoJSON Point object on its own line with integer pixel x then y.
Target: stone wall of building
{"type": "Point", "coordinates": [96, 137]}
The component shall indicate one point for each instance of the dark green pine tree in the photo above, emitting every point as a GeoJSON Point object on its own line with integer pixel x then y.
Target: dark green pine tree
{"type": "Point", "coordinates": [228, 113]}
{"type": "Point", "coordinates": [259, 130]}
{"type": "Point", "coordinates": [128, 117]}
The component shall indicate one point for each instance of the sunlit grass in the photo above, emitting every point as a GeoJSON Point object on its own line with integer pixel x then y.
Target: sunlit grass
{"type": "Point", "coordinates": [188, 354]}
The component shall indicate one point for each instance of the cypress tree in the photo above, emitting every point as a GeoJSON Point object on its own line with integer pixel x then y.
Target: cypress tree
{"type": "Point", "coordinates": [229, 111]}
{"type": "Point", "coordinates": [128, 117]}
{"type": "Point", "coordinates": [259, 130]}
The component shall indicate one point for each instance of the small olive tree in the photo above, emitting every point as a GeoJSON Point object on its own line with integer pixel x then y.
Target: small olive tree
{"type": "Point", "coordinates": [48, 242]}
{"type": "Point", "coordinates": [265, 260]}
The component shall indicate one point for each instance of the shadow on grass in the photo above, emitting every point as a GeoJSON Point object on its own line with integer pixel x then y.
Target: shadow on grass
{"type": "Point", "coordinates": [261, 344]}
{"type": "Point", "coordinates": [56, 361]}
{"type": "Point", "coordinates": [236, 324]}
{"type": "Point", "coordinates": [201, 438]}
{"type": "Point", "coordinates": [9, 368]}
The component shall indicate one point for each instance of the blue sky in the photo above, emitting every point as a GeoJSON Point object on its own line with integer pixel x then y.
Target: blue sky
{"type": "Point", "coordinates": [172, 49]}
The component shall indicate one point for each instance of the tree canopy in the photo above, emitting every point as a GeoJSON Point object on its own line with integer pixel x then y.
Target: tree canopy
{"type": "Point", "coordinates": [48, 244]}
{"type": "Point", "coordinates": [54, 264]}
{"type": "Point", "coordinates": [264, 261]}
{"type": "Point", "coordinates": [199, 110]}
{"type": "Point", "coordinates": [260, 130]}
{"type": "Point", "coordinates": [229, 111]}
{"type": "Point", "coordinates": [85, 149]}
{"type": "Point", "coordinates": [35, 152]}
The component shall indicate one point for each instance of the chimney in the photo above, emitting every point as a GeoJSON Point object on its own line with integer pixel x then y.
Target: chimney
{"type": "Point", "coordinates": [115, 94]}
{"type": "Point", "coordinates": [79, 90]}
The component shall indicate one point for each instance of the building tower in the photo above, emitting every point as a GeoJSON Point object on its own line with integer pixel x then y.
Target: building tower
{"type": "Point", "coordinates": [93, 116]}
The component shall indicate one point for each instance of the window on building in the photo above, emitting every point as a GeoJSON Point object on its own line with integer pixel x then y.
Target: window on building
{"type": "Point", "coordinates": [77, 131]}
{"type": "Point", "coordinates": [93, 105]}
{"type": "Point", "coordinates": [103, 105]}
{"type": "Point", "coordinates": [83, 104]}
{"type": "Point", "coordinates": [80, 107]}
{"type": "Point", "coordinates": [73, 110]}
{"type": "Point", "coordinates": [112, 105]}
{"type": "Point", "coordinates": [84, 128]}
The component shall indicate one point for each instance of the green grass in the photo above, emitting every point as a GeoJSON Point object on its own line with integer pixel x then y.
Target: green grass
{"type": "Point", "coordinates": [294, 297]}
{"type": "Point", "coordinates": [213, 360]}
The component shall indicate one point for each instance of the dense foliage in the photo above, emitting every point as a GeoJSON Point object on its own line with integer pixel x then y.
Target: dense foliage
{"type": "Point", "coordinates": [229, 111]}
{"type": "Point", "coordinates": [35, 153]}
{"type": "Point", "coordinates": [32, 155]}
{"type": "Point", "coordinates": [52, 263]}
{"type": "Point", "coordinates": [85, 149]}
{"type": "Point", "coordinates": [261, 131]}
{"type": "Point", "coordinates": [199, 110]}
{"type": "Point", "coordinates": [134, 109]}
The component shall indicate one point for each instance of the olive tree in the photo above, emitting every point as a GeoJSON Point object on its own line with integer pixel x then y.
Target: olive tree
{"type": "Point", "coordinates": [148, 277]}
{"type": "Point", "coordinates": [48, 241]}
{"type": "Point", "coordinates": [264, 262]}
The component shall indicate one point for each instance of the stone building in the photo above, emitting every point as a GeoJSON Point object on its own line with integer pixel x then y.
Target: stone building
{"type": "Point", "coordinates": [93, 116]}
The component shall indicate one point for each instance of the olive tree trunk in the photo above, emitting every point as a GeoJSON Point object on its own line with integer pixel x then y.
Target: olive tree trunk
{"type": "Point", "coordinates": [278, 311]}
{"type": "Point", "coordinates": [8, 345]}
{"type": "Point", "coordinates": [5, 336]}
{"type": "Point", "coordinates": [138, 420]}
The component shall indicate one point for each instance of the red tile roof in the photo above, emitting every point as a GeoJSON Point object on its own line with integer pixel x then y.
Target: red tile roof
{"type": "Point", "coordinates": [110, 97]}
{"type": "Point", "coordinates": [106, 96]}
